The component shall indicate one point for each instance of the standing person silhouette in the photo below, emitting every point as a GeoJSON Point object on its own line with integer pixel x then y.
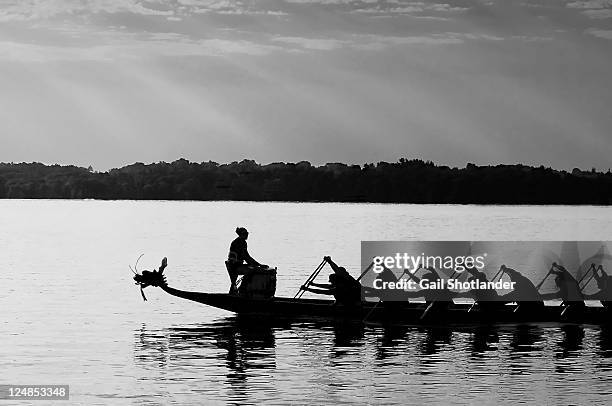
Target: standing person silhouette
{"type": "Point", "coordinates": [239, 261]}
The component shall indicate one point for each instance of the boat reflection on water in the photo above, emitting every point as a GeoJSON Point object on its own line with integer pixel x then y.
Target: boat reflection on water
{"type": "Point", "coordinates": [388, 340]}
{"type": "Point", "coordinates": [243, 342]}
{"type": "Point", "coordinates": [229, 351]}
{"type": "Point", "coordinates": [526, 340]}
{"type": "Point", "coordinates": [483, 340]}
{"type": "Point", "coordinates": [568, 350]}
{"type": "Point", "coordinates": [347, 337]}
{"type": "Point", "coordinates": [253, 360]}
{"type": "Point", "coordinates": [604, 341]}
{"type": "Point", "coordinates": [571, 340]}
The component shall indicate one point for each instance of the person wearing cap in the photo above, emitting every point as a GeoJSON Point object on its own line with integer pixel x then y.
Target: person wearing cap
{"type": "Point", "coordinates": [239, 260]}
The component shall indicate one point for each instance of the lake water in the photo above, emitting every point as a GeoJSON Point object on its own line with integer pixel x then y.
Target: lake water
{"type": "Point", "coordinates": [71, 314]}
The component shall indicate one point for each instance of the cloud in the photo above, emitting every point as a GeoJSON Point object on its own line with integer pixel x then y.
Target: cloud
{"type": "Point", "coordinates": [335, 2]}
{"type": "Point", "coordinates": [473, 36]}
{"type": "Point", "coordinates": [27, 10]}
{"type": "Point", "coordinates": [388, 7]}
{"type": "Point", "coordinates": [529, 38]}
{"type": "Point", "coordinates": [227, 7]}
{"type": "Point", "coordinates": [23, 52]}
{"type": "Point", "coordinates": [320, 44]}
{"type": "Point", "coordinates": [402, 7]}
{"type": "Point", "coordinates": [389, 10]}
{"type": "Point", "coordinates": [101, 39]}
{"type": "Point", "coordinates": [374, 42]}
{"type": "Point", "coordinates": [595, 9]}
{"type": "Point", "coordinates": [156, 45]}
{"type": "Point", "coordinates": [590, 4]}
{"type": "Point", "coordinates": [605, 34]}
{"type": "Point", "coordinates": [598, 14]}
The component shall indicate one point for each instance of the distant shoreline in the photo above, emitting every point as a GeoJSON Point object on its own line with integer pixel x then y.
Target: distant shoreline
{"type": "Point", "coordinates": [402, 182]}
{"type": "Point", "coordinates": [606, 206]}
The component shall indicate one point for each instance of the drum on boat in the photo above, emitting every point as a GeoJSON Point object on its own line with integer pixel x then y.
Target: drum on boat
{"type": "Point", "coordinates": [258, 283]}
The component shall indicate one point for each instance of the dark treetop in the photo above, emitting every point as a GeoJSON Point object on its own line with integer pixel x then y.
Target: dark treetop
{"type": "Point", "coordinates": [406, 181]}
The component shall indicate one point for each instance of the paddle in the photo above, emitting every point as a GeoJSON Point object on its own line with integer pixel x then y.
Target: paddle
{"type": "Point", "coordinates": [365, 271]}
{"type": "Point", "coordinates": [427, 310]}
{"type": "Point", "coordinates": [518, 305]}
{"type": "Point", "coordinates": [310, 279]}
{"type": "Point", "coordinates": [593, 272]}
{"type": "Point", "coordinates": [412, 275]}
{"type": "Point", "coordinates": [588, 280]}
{"type": "Point", "coordinates": [500, 273]}
{"type": "Point", "coordinates": [371, 311]}
{"type": "Point", "coordinates": [554, 265]}
{"type": "Point", "coordinates": [501, 268]}
{"type": "Point", "coordinates": [431, 305]}
{"type": "Point", "coordinates": [587, 273]}
{"type": "Point", "coordinates": [539, 285]}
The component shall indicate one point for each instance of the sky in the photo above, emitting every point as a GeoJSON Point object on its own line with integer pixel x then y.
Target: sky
{"type": "Point", "coordinates": [107, 83]}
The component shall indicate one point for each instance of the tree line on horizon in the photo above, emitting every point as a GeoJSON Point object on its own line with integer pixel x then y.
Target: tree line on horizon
{"type": "Point", "coordinates": [405, 181]}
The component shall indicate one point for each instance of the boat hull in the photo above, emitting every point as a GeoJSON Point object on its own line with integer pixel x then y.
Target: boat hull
{"type": "Point", "coordinates": [396, 313]}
